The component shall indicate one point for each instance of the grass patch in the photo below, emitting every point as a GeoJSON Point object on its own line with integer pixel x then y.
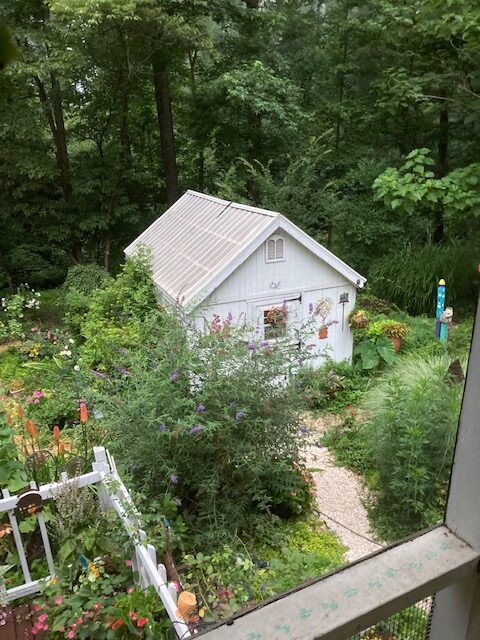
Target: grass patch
{"type": "Point", "coordinates": [50, 313]}
{"type": "Point", "coordinates": [11, 366]}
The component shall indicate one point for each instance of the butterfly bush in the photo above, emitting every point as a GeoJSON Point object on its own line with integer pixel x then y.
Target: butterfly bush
{"type": "Point", "coordinates": [218, 412]}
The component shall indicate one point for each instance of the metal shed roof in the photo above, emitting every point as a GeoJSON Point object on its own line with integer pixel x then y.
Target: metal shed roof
{"type": "Point", "coordinates": [200, 240]}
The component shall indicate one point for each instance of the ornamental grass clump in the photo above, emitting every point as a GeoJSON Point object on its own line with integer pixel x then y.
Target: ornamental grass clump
{"type": "Point", "coordinates": [216, 411]}
{"type": "Point", "coordinates": [413, 421]}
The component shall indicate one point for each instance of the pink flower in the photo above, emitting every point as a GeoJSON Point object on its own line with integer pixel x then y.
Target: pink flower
{"type": "Point", "coordinates": [133, 615]}
{"type": "Point", "coordinates": [36, 607]}
{"type": "Point", "coordinates": [79, 621]}
{"type": "Point", "coordinates": [130, 590]}
{"type": "Point", "coordinates": [71, 633]}
{"type": "Point", "coordinates": [128, 563]}
{"type": "Point", "coordinates": [59, 600]}
{"type": "Point", "coordinates": [141, 622]}
{"type": "Point", "coordinates": [42, 618]}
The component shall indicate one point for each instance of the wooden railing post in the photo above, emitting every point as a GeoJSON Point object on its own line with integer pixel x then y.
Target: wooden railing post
{"type": "Point", "coordinates": [101, 465]}
{"type": "Point", "coordinates": [456, 614]}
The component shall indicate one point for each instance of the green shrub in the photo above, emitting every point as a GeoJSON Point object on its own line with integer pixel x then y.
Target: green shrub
{"type": "Point", "coordinates": [414, 413]}
{"type": "Point", "coordinates": [79, 285]}
{"type": "Point", "coordinates": [205, 418]}
{"type": "Point", "coordinates": [332, 387]}
{"type": "Point", "coordinates": [116, 313]}
{"type": "Point", "coordinates": [410, 277]}
{"type": "Point", "coordinates": [85, 278]}
{"type": "Point", "coordinates": [376, 306]}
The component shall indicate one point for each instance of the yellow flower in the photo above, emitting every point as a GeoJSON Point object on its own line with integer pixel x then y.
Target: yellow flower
{"type": "Point", "coordinates": [53, 580]}
{"type": "Point", "coordinates": [92, 567]}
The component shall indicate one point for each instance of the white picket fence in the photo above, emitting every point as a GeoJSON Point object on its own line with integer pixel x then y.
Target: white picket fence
{"type": "Point", "coordinates": [112, 494]}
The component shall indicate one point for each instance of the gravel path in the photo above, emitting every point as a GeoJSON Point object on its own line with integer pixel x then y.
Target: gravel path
{"type": "Point", "coordinates": [340, 493]}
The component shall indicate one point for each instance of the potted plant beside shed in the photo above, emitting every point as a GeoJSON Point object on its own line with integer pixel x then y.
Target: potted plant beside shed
{"type": "Point", "coordinates": [394, 330]}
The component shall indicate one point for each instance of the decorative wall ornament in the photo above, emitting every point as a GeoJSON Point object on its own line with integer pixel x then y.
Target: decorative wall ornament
{"type": "Point", "coordinates": [275, 285]}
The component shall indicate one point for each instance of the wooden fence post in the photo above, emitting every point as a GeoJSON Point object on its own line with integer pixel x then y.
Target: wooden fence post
{"type": "Point", "coordinates": [101, 465]}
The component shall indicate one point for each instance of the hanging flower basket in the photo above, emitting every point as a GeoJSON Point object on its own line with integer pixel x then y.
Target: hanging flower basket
{"type": "Point", "coordinates": [323, 333]}
{"type": "Point", "coordinates": [277, 316]}
{"type": "Point", "coordinates": [359, 319]}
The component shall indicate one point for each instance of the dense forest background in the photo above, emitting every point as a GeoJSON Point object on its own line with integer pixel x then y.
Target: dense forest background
{"type": "Point", "coordinates": [359, 119]}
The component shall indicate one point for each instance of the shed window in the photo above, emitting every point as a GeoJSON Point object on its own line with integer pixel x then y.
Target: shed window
{"type": "Point", "coordinates": [275, 249]}
{"type": "Point", "coordinates": [275, 322]}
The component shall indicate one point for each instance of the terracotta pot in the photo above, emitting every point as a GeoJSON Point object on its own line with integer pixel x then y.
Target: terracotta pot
{"type": "Point", "coordinates": [186, 604]}
{"type": "Point", "coordinates": [397, 343]}
{"type": "Point", "coordinates": [323, 333]}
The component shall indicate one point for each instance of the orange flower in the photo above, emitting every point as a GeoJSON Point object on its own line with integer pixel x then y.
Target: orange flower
{"type": "Point", "coordinates": [19, 411]}
{"type": "Point", "coordinates": [31, 428]}
{"type": "Point", "coordinates": [9, 420]}
{"type": "Point", "coordinates": [61, 447]}
{"type": "Point", "coordinates": [83, 412]}
{"type": "Point", "coordinates": [5, 530]}
{"type": "Point", "coordinates": [56, 434]}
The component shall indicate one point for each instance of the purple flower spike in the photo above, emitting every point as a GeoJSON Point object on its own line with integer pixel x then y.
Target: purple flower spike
{"type": "Point", "coordinates": [264, 343]}
{"type": "Point", "coordinates": [174, 375]}
{"type": "Point", "coordinates": [200, 408]}
{"type": "Point", "coordinates": [178, 502]}
{"type": "Point", "coordinates": [196, 429]}
{"type": "Point", "coordinates": [251, 346]}
{"type": "Point", "coordinates": [310, 307]}
{"type": "Point", "coordinates": [162, 426]}
{"type": "Point", "coordinates": [304, 430]}
{"type": "Point", "coordinates": [239, 416]}
{"type": "Point", "coordinates": [229, 317]}
{"type": "Point", "coordinates": [174, 479]}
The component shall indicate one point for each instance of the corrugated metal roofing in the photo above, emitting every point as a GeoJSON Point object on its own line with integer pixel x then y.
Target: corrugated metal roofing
{"type": "Point", "coordinates": [196, 238]}
{"type": "Point", "coordinates": [200, 239]}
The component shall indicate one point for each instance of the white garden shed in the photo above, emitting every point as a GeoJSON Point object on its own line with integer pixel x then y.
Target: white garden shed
{"type": "Point", "coordinates": [222, 259]}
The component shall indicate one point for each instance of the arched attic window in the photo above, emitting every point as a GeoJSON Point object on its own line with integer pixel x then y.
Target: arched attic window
{"type": "Point", "coordinates": [275, 249]}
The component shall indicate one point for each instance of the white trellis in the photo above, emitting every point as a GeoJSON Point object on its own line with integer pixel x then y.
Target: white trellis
{"type": "Point", "coordinates": [113, 494]}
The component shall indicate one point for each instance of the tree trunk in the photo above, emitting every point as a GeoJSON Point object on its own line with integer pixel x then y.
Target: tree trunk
{"type": "Point", "coordinates": [442, 168]}
{"type": "Point", "coordinates": [60, 137]}
{"type": "Point", "coordinates": [125, 144]}
{"type": "Point", "coordinates": [106, 255]}
{"type": "Point", "coordinates": [341, 85]}
{"type": "Point", "coordinates": [442, 161]}
{"type": "Point", "coordinates": [201, 170]}
{"type": "Point", "coordinates": [165, 126]}
{"type": "Point", "coordinates": [57, 127]}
